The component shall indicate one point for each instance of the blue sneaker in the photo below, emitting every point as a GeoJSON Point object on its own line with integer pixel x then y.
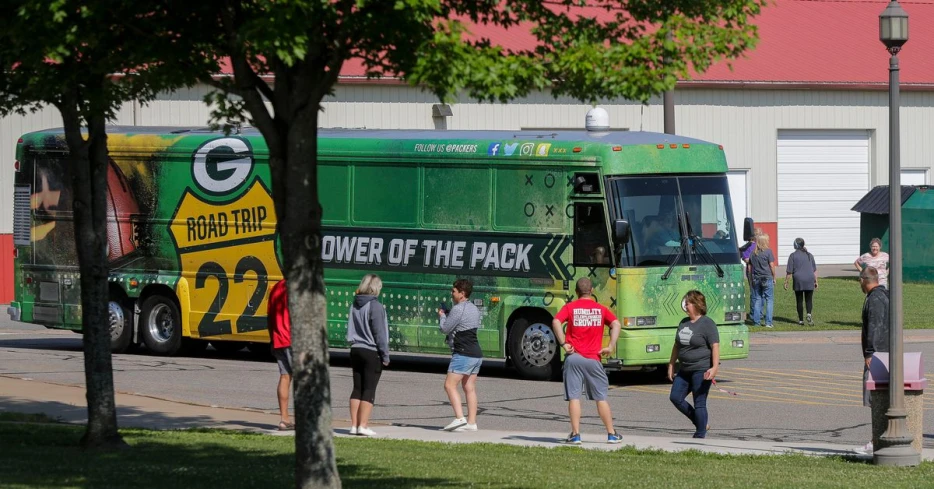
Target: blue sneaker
{"type": "Point", "coordinates": [573, 439]}
{"type": "Point", "coordinates": [614, 438]}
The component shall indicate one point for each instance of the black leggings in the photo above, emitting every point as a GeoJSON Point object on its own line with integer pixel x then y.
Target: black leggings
{"type": "Point", "coordinates": [804, 296]}
{"type": "Point", "coordinates": [366, 371]}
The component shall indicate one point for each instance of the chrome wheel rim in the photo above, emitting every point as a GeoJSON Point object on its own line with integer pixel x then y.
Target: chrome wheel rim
{"type": "Point", "coordinates": [116, 319]}
{"type": "Point", "coordinates": [538, 344]}
{"type": "Point", "coordinates": [161, 324]}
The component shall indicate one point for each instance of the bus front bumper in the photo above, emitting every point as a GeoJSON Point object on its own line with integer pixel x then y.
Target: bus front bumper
{"type": "Point", "coordinates": [653, 346]}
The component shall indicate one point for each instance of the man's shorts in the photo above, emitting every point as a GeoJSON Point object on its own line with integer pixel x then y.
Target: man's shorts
{"type": "Point", "coordinates": [580, 374]}
{"type": "Point", "coordinates": [284, 359]}
{"type": "Point", "coordinates": [464, 365]}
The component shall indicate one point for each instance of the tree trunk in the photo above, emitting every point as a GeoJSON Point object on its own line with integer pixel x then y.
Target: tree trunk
{"type": "Point", "coordinates": [89, 163]}
{"type": "Point", "coordinates": [295, 190]}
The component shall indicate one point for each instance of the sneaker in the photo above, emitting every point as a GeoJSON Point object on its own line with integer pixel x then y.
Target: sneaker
{"type": "Point", "coordinates": [353, 430]}
{"type": "Point", "coordinates": [800, 323]}
{"type": "Point", "coordinates": [768, 325]}
{"type": "Point", "coordinates": [865, 449]}
{"type": "Point", "coordinates": [810, 320]}
{"type": "Point", "coordinates": [363, 431]}
{"type": "Point", "coordinates": [457, 423]}
{"type": "Point", "coordinates": [614, 438]}
{"type": "Point", "coordinates": [466, 427]}
{"type": "Point", "coordinates": [573, 439]}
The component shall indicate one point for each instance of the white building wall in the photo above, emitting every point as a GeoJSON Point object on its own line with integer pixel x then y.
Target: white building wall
{"type": "Point", "coordinates": [746, 122]}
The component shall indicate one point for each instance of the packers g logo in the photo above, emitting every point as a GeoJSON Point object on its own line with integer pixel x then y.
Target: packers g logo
{"type": "Point", "coordinates": [222, 165]}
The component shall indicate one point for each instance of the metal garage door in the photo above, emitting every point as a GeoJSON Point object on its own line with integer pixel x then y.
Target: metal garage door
{"type": "Point", "coordinates": [821, 175]}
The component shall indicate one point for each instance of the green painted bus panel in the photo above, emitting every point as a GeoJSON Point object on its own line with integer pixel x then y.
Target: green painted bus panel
{"type": "Point", "coordinates": [648, 159]}
{"type": "Point", "coordinates": [391, 196]}
{"type": "Point", "coordinates": [643, 292]}
{"type": "Point", "coordinates": [334, 188]}
{"type": "Point", "coordinates": [419, 208]}
{"type": "Point", "coordinates": [457, 198]}
{"type": "Point", "coordinates": [530, 199]}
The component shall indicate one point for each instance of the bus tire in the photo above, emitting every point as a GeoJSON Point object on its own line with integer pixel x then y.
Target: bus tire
{"type": "Point", "coordinates": [534, 349]}
{"type": "Point", "coordinates": [120, 321]}
{"type": "Point", "coordinates": [161, 325]}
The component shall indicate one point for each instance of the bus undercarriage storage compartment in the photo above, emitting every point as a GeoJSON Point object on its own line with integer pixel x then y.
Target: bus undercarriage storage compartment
{"type": "Point", "coordinates": [193, 248]}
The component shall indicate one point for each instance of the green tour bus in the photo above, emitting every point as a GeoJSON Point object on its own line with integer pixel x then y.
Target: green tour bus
{"type": "Point", "coordinates": [193, 249]}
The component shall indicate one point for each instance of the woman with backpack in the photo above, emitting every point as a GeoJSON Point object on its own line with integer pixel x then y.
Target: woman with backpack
{"type": "Point", "coordinates": [803, 270]}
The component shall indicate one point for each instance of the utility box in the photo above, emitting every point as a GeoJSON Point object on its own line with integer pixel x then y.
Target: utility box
{"type": "Point", "coordinates": [917, 228]}
{"type": "Point", "coordinates": [878, 385]}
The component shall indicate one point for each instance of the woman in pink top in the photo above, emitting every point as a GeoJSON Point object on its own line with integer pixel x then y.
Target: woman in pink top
{"type": "Point", "coordinates": [876, 258]}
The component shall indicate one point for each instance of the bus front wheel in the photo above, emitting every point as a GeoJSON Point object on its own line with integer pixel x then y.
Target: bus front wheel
{"type": "Point", "coordinates": [161, 325]}
{"type": "Point", "coordinates": [534, 349]}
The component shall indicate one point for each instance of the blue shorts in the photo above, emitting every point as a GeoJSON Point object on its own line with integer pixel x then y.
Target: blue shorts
{"type": "Point", "coordinates": [464, 365]}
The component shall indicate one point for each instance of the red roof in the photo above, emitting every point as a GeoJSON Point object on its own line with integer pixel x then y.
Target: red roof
{"type": "Point", "coordinates": [801, 42]}
{"type": "Point", "coordinates": [832, 41]}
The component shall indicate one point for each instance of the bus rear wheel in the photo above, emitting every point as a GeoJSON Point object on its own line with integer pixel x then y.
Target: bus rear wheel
{"type": "Point", "coordinates": [120, 322]}
{"type": "Point", "coordinates": [161, 325]}
{"type": "Point", "coordinates": [534, 349]}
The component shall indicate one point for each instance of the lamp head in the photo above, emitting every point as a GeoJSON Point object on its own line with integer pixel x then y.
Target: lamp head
{"type": "Point", "coordinates": [893, 26]}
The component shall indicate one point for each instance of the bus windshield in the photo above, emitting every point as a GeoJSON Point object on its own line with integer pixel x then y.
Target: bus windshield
{"type": "Point", "coordinates": [661, 210]}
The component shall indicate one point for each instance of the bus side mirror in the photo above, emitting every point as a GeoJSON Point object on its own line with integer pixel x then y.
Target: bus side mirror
{"type": "Point", "coordinates": [621, 231]}
{"type": "Point", "coordinates": [748, 229]}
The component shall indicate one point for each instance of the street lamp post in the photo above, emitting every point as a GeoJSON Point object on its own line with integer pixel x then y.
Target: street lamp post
{"type": "Point", "coordinates": [895, 444]}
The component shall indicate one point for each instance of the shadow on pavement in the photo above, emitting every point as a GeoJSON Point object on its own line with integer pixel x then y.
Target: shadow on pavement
{"type": "Point", "coordinates": [127, 417]}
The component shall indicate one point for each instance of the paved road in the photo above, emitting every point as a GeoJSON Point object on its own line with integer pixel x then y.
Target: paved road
{"type": "Point", "coordinates": [806, 391]}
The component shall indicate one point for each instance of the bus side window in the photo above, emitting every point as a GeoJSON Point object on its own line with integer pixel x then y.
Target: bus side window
{"type": "Point", "coordinates": [591, 241]}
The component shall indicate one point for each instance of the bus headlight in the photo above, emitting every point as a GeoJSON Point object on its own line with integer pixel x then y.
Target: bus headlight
{"type": "Point", "coordinates": [733, 316]}
{"type": "Point", "coordinates": [738, 343]}
{"type": "Point", "coordinates": [645, 321]}
{"type": "Point", "coordinates": [652, 348]}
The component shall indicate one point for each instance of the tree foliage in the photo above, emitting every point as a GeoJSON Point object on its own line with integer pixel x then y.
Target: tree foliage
{"type": "Point", "coordinates": [86, 58]}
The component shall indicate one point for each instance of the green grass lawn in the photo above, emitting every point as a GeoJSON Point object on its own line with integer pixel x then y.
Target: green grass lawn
{"type": "Point", "coordinates": [838, 304]}
{"type": "Point", "coordinates": [47, 455]}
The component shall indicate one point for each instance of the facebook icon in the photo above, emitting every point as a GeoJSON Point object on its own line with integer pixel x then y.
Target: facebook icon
{"type": "Point", "coordinates": [493, 150]}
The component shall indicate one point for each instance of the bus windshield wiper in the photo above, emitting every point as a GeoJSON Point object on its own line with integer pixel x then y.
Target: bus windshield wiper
{"type": "Point", "coordinates": [697, 245]}
{"type": "Point", "coordinates": [675, 255]}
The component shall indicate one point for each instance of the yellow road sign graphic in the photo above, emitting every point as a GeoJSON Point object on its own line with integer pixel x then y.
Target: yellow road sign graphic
{"type": "Point", "coordinates": [228, 252]}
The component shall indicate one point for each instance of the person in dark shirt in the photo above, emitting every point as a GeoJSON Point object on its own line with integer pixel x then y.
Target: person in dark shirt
{"type": "Point", "coordinates": [802, 269]}
{"type": "Point", "coordinates": [875, 335]}
{"type": "Point", "coordinates": [697, 347]}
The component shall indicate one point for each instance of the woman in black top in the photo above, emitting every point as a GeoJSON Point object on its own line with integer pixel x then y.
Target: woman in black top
{"type": "Point", "coordinates": [803, 272]}
{"type": "Point", "coordinates": [697, 347]}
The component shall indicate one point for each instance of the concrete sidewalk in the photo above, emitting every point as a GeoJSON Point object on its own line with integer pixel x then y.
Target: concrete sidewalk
{"type": "Point", "coordinates": [67, 404]}
{"type": "Point", "coordinates": [759, 335]}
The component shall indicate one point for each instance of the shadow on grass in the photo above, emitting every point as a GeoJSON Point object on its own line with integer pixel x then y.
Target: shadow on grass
{"type": "Point", "coordinates": [49, 456]}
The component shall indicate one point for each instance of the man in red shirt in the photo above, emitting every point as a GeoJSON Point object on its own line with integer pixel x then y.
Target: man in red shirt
{"type": "Point", "coordinates": [280, 335]}
{"type": "Point", "coordinates": [583, 347]}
